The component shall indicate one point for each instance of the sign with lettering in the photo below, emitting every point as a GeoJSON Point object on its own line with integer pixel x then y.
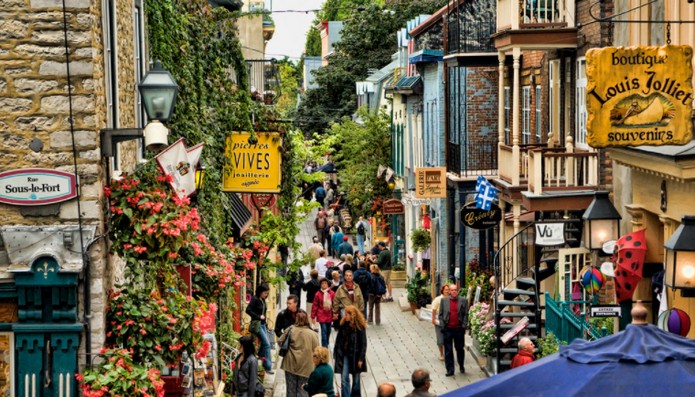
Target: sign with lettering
{"type": "Point", "coordinates": [550, 234]}
{"type": "Point", "coordinates": [253, 167]}
{"type": "Point", "coordinates": [393, 207]}
{"type": "Point", "coordinates": [430, 182]}
{"type": "Point", "coordinates": [415, 202]}
{"type": "Point", "coordinates": [36, 186]}
{"type": "Point", "coordinates": [639, 96]}
{"type": "Point", "coordinates": [477, 218]}
{"type": "Point", "coordinates": [605, 311]}
{"type": "Point", "coordinates": [261, 200]}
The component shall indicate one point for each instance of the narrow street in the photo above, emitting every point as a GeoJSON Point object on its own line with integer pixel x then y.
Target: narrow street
{"type": "Point", "coordinates": [399, 345]}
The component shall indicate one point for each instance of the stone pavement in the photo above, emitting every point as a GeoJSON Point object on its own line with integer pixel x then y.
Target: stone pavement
{"type": "Point", "coordinates": [395, 348]}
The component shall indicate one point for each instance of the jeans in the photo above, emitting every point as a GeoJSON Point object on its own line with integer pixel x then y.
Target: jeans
{"type": "Point", "coordinates": [360, 243]}
{"type": "Point", "coordinates": [294, 385]}
{"type": "Point", "coordinates": [325, 333]}
{"type": "Point", "coordinates": [453, 336]}
{"type": "Point", "coordinates": [345, 390]}
{"type": "Point", "coordinates": [264, 349]}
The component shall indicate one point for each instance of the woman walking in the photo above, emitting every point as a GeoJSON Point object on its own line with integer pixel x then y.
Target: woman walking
{"type": "Point", "coordinates": [257, 311]}
{"type": "Point", "coordinates": [322, 310]}
{"type": "Point", "coordinates": [246, 377]}
{"type": "Point", "coordinates": [351, 351]}
{"type": "Point", "coordinates": [376, 291]}
{"type": "Point", "coordinates": [297, 363]}
{"type": "Point", "coordinates": [436, 303]}
{"type": "Point", "coordinates": [321, 380]}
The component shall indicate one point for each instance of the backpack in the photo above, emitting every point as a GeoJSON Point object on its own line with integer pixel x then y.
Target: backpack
{"type": "Point", "coordinates": [320, 222]}
{"type": "Point", "coordinates": [380, 285]}
{"type": "Point", "coordinates": [320, 192]}
{"type": "Point", "coordinates": [361, 230]}
{"type": "Point", "coordinates": [363, 278]}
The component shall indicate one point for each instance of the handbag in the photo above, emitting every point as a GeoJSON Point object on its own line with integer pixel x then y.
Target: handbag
{"type": "Point", "coordinates": [260, 390]}
{"type": "Point", "coordinates": [285, 347]}
{"type": "Point", "coordinates": [255, 327]}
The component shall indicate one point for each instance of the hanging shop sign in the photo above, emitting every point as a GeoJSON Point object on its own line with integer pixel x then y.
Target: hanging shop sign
{"type": "Point", "coordinates": [477, 218]}
{"type": "Point", "coordinates": [253, 167]}
{"type": "Point", "coordinates": [550, 234]}
{"type": "Point", "coordinates": [262, 200]}
{"type": "Point", "coordinates": [393, 207]}
{"type": "Point", "coordinates": [36, 186]}
{"type": "Point", "coordinates": [430, 182]}
{"type": "Point", "coordinates": [639, 96]}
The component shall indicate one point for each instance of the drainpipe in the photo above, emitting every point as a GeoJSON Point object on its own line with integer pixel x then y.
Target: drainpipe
{"type": "Point", "coordinates": [86, 315]}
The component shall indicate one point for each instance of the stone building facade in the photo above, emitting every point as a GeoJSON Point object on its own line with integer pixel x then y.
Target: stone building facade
{"type": "Point", "coordinates": [54, 269]}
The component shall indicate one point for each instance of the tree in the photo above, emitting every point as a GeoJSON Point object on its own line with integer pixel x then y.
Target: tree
{"type": "Point", "coordinates": [289, 86]}
{"type": "Point", "coordinates": [363, 147]}
{"type": "Point", "coordinates": [312, 46]}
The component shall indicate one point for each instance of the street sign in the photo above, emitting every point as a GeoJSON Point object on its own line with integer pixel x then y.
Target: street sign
{"type": "Point", "coordinates": [605, 311]}
{"type": "Point", "coordinates": [477, 218]}
{"type": "Point", "coordinates": [393, 207]}
{"type": "Point", "coordinates": [36, 186]}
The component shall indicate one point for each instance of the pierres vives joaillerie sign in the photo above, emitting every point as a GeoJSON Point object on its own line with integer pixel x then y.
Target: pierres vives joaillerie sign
{"type": "Point", "coordinates": [253, 167]}
{"type": "Point", "coordinates": [36, 186]}
{"type": "Point", "coordinates": [639, 96]}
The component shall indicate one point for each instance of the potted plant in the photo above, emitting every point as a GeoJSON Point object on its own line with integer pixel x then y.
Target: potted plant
{"type": "Point", "coordinates": [477, 315]}
{"type": "Point", "coordinates": [418, 291]}
{"type": "Point", "coordinates": [118, 374]}
{"type": "Point", "coordinates": [420, 239]}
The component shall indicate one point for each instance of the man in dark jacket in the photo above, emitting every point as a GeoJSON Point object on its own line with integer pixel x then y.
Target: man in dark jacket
{"type": "Point", "coordinates": [363, 278]}
{"type": "Point", "coordinates": [453, 318]}
{"type": "Point", "coordinates": [287, 317]}
{"type": "Point", "coordinates": [384, 262]}
{"type": "Point", "coordinates": [295, 282]}
{"type": "Point", "coordinates": [311, 287]}
{"type": "Point", "coordinates": [345, 248]}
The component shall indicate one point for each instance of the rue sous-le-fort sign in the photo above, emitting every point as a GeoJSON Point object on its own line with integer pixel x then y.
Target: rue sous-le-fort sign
{"type": "Point", "coordinates": [639, 96]}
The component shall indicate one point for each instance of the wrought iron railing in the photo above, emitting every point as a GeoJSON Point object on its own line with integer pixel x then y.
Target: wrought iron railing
{"type": "Point", "coordinates": [472, 159]}
{"type": "Point", "coordinates": [565, 324]}
{"type": "Point", "coordinates": [470, 36]}
{"type": "Point", "coordinates": [264, 79]}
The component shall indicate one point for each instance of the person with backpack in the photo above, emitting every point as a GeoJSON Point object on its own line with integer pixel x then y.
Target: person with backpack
{"type": "Point", "coordinates": [345, 248]}
{"type": "Point", "coordinates": [362, 228]}
{"type": "Point", "coordinates": [384, 262]}
{"type": "Point", "coordinates": [336, 240]}
{"type": "Point", "coordinates": [330, 196]}
{"type": "Point", "coordinates": [377, 289]}
{"type": "Point", "coordinates": [320, 195]}
{"type": "Point", "coordinates": [364, 279]}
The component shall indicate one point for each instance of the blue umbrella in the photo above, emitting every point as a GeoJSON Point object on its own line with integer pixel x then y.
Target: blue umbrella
{"type": "Point", "coordinates": [643, 360]}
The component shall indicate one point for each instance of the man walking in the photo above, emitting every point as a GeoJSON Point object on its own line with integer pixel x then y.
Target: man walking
{"type": "Point", "coordinates": [384, 262]}
{"type": "Point", "coordinates": [421, 383]}
{"type": "Point", "coordinates": [386, 390]}
{"type": "Point", "coordinates": [320, 195]}
{"type": "Point", "coordinates": [453, 317]}
{"type": "Point", "coordinates": [321, 264]}
{"type": "Point", "coordinates": [287, 317]}
{"type": "Point", "coordinates": [321, 224]}
{"type": "Point", "coordinates": [348, 294]}
{"type": "Point", "coordinates": [362, 228]}
{"type": "Point", "coordinates": [345, 248]}
{"type": "Point", "coordinates": [315, 249]}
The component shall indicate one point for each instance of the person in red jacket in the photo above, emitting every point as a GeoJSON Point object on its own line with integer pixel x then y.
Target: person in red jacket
{"type": "Point", "coordinates": [322, 310]}
{"type": "Point", "coordinates": [525, 355]}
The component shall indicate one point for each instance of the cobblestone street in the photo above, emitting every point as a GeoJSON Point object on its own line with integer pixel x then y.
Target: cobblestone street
{"type": "Point", "coordinates": [399, 345]}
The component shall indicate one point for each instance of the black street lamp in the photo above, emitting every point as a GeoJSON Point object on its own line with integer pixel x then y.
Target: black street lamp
{"type": "Point", "coordinates": [158, 90]}
{"type": "Point", "coordinates": [680, 258]}
{"type": "Point", "coordinates": [601, 222]}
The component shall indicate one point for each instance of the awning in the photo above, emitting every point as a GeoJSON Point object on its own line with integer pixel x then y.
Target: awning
{"type": "Point", "coordinates": [407, 85]}
{"type": "Point", "coordinates": [426, 56]}
{"type": "Point", "coordinates": [240, 214]}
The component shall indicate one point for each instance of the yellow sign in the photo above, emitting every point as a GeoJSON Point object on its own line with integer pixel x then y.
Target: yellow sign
{"type": "Point", "coordinates": [430, 182]}
{"type": "Point", "coordinates": [639, 96]}
{"type": "Point", "coordinates": [253, 167]}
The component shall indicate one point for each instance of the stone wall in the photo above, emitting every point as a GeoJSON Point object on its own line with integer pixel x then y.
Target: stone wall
{"type": "Point", "coordinates": [34, 104]}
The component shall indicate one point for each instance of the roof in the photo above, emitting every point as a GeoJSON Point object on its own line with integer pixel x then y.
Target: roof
{"type": "Point", "coordinates": [677, 152]}
{"type": "Point", "coordinates": [421, 28]}
{"type": "Point", "coordinates": [382, 73]}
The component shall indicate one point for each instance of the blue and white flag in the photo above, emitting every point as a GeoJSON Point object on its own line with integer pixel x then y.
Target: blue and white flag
{"type": "Point", "coordinates": [487, 194]}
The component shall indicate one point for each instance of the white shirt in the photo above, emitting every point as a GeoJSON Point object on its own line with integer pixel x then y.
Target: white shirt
{"type": "Point", "coordinates": [321, 267]}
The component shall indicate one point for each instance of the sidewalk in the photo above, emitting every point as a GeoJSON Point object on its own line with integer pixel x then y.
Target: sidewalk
{"type": "Point", "coordinates": [395, 348]}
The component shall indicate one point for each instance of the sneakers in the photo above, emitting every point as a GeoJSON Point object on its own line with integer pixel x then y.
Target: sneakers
{"type": "Point", "coordinates": [270, 372]}
{"type": "Point", "coordinates": [449, 374]}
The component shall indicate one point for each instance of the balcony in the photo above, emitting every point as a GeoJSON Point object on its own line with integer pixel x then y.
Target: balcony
{"type": "Point", "coordinates": [471, 160]}
{"type": "Point", "coordinates": [470, 27]}
{"type": "Point", "coordinates": [264, 79]}
{"type": "Point", "coordinates": [534, 23]}
{"type": "Point", "coordinates": [537, 173]}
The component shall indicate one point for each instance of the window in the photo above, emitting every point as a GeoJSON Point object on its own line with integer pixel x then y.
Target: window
{"type": "Point", "coordinates": [581, 113]}
{"type": "Point", "coordinates": [554, 101]}
{"type": "Point", "coordinates": [507, 113]}
{"type": "Point", "coordinates": [525, 115]}
{"type": "Point", "coordinates": [538, 114]}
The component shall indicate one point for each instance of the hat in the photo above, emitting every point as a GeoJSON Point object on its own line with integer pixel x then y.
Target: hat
{"type": "Point", "coordinates": [382, 244]}
{"type": "Point", "coordinates": [345, 238]}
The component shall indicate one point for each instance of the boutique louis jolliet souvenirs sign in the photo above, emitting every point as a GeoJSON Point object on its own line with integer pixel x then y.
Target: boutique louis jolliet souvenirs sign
{"type": "Point", "coordinates": [639, 96]}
